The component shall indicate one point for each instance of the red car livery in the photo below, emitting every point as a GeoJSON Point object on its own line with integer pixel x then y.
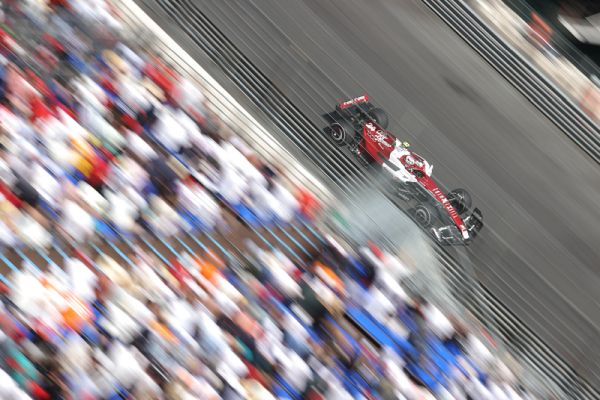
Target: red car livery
{"type": "Point", "coordinates": [356, 123]}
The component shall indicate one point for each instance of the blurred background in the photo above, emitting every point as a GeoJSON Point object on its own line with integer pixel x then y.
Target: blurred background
{"type": "Point", "coordinates": [162, 236]}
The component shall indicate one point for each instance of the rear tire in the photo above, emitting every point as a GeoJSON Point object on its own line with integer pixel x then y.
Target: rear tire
{"type": "Point", "coordinates": [424, 214]}
{"type": "Point", "coordinates": [460, 200]}
{"type": "Point", "coordinates": [380, 116]}
{"type": "Point", "coordinates": [341, 132]}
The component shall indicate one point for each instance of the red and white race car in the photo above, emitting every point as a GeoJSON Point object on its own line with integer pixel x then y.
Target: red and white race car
{"type": "Point", "coordinates": [361, 126]}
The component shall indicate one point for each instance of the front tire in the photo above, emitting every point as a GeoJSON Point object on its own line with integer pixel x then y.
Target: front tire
{"type": "Point", "coordinates": [460, 200]}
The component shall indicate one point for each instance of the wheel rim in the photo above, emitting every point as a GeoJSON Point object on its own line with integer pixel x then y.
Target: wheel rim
{"type": "Point", "coordinates": [337, 133]}
{"type": "Point", "coordinates": [422, 216]}
{"type": "Point", "coordinates": [456, 200]}
{"type": "Point", "coordinates": [460, 197]}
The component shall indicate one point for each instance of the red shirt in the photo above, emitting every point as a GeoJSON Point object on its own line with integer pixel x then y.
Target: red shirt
{"type": "Point", "coordinates": [37, 392]}
{"type": "Point", "coordinates": [309, 205]}
{"type": "Point", "coordinates": [162, 76]}
{"type": "Point", "coordinates": [38, 83]}
{"type": "Point", "coordinates": [178, 271]}
{"type": "Point", "coordinates": [5, 40]}
{"type": "Point", "coordinates": [61, 3]}
{"type": "Point", "coordinates": [51, 40]}
{"type": "Point", "coordinates": [100, 169]}
{"type": "Point", "coordinates": [132, 124]}
{"type": "Point", "coordinates": [10, 196]}
{"type": "Point", "coordinates": [39, 110]}
{"type": "Point", "coordinates": [108, 85]}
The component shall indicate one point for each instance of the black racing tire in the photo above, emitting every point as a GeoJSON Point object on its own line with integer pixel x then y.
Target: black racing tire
{"type": "Point", "coordinates": [460, 200]}
{"type": "Point", "coordinates": [341, 132]}
{"type": "Point", "coordinates": [379, 116]}
{"type": "Point", "coordinates": [424, 214]}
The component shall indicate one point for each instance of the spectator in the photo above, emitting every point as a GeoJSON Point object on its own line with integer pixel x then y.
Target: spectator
{"type": "Point", "coordinates": [162, 177]}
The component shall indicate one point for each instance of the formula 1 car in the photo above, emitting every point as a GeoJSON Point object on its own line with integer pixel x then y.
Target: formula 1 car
{"type": "Point", "coordinates": [358, 124]}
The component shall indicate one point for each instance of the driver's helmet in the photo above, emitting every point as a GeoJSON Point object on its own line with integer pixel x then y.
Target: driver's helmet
{"type": "Point", "coordinates": [402, 145]}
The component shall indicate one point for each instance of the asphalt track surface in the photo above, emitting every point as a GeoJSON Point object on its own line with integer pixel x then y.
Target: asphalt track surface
{"type": "Point", "coordinates": [539, 193]}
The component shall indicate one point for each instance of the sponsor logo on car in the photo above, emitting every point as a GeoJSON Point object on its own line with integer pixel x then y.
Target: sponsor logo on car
{"type": "Point", "coordinates": [445, 203]}
{"type": "Point", "coordinates": [377, 135]}
{"type": "Point", "coordinates": [356, 100]}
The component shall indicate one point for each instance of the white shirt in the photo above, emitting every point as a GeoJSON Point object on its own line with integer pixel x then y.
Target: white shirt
{"type": "Point", "coordinates": [182, 315]}
{"type": "Point", "coordinates": [9, 388]}
{"type": "Point", "coordinates": [295, 371]}
{"type": "Point", "coordinates": [77, 222]}
{"type": "Point", "coordinates": [13, 124]}
{"type": "Point", "coordinates": [165, 220]}
{"type": "Point", "coordinates": [264, 203]}
{"type": "Point", "coordinates": [101, 127]}
{"type": "Point", "coordinates": [32, 232]}
{"type": "Point", "coordinates": [189, 125]}
{"type": "Point", "coordinates": [7, 237]}
{"type": "Point", "coordinates": [19, 164]}
{"type": "Point", "coordinates": [45, 184]}
{"type": "Point", "coordinates": [190, 97]}
{"type": "Point", "coordinates": [231, 185]}
{"type": "Point", "coordinates": [92, 197]}
{"type": "Point", "coordinates": [131, 56]}
{"type": "Point", "coordinates": [140, 147]}
{"type": "Point", "coordinates": [379, 305]}
{"type": "Point", "coordinates": [134, 95]}
{"type": "Point", "coordinates": [90, 93]}
{"type": "Point", "coordinates": [478, 352]}
{"type": "Point", "coordinates": [6, 175]}
{"type": "Point", "coordinates": [122, 211]}
{"type": "Point", "coordinates": [477, 390]}
{"type": "Point", "coordinates": [169, 132]}
{"type": "Point", "coordinates": [201, 204]}
{"type": "Point", "coordinates": [281, 279]}
{"type": "Point", "coordinates": [207, 145]}
{"type": "Point", "coordinates": [82, 279]}
{"type": "Point", "coordinates": [440, 325]}
{"type": "Point", "coordinates": [126, 368]}
{"type": "Point", "coordinates": [498, 392]}
{"type": "Point", "coordinates": [155, 288]}
{"type": "Point", "coordinates": [398, 377]}
{"type": "Point", "coordinates": [287, 203]}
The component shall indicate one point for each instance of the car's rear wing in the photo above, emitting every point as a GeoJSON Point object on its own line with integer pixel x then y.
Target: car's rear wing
{"type": "Point", "coordinates": [357, 100]}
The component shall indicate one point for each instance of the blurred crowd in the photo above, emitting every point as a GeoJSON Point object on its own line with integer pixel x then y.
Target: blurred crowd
{"type": "Point", "coordinates": [538, 41]}
{"type": "Point", "coordinates": [100, 138]}
{"type": "Point", "coordinates": [102, 135]}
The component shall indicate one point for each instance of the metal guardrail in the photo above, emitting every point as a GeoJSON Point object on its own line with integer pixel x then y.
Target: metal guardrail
{"type": "Point", "coordinates": [561, 110]}
{"type": "Point", "coordinates": [536, 87]}
{"type": "Point", "coordinates": [339, 170]}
